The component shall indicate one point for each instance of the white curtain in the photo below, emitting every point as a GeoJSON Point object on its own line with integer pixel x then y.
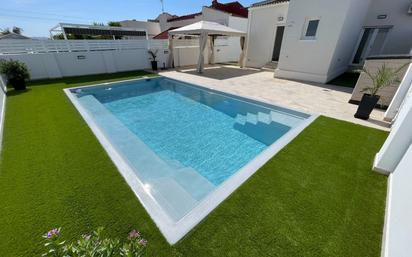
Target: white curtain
{"type": "Point", "coordinates": [242, 54]}
{"type": "Point", "coordinates": [171, 58]}
{"type": "Point", "coordinates": [202, 46]}
{"type": "Point", "coordinates": [212, 50]}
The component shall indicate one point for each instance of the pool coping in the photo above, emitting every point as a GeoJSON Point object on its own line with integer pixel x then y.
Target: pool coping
{"type": "Point", "coordinates": [174, 231]}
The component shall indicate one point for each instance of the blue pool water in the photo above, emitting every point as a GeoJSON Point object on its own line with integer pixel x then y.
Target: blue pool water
{"type": "Point", "coordinates": [183, 141]}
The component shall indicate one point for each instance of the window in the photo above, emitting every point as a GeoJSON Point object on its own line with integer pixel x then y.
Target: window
{"type": "Point", "coordinates": [311, 27]}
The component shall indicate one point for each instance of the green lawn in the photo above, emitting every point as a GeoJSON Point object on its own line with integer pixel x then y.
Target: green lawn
{"type": "Point", "coordinates": [317, 197]}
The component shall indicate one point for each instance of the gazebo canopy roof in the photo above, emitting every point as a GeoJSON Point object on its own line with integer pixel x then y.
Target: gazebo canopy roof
{"type": "Point", "coordinates": [211, 28]}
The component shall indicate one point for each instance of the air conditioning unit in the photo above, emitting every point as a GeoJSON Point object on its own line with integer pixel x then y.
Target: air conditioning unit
{"type": "Point", "coordinates": [410, 9]}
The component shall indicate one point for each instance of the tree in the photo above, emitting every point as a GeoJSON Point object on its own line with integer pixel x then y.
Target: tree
{"type": "Point", "coordinates": [17, 30]}
{"type": "Point", "coordinates": [114, 24]}
{"type": "Point", "coordinates": [5, 31]}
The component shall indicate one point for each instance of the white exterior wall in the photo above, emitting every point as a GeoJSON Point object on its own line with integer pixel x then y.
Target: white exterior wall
{"type": "Point", "coordinates": [400, 94]}
{"type": "Point", "coordinates": [325, 57]}
{"type": "Point", "coordinates": [188, 55]}
{"type": "Point", "coordinates": [399, 40]}
{"type": "Point", "coordinates": [181, 23]}
{"type": "Point", "coordinates": [263, 22]}
{"type": "Point", "coordinates": [153, 28]}
{"type": "Point", "coordinates": [398, 222]}
{"type": "Point", "coordinates": [349, 37]}
{"type": "Point", "coordinates": [399, 139]}
{"type": "Point", "coordinates": [396, 156]}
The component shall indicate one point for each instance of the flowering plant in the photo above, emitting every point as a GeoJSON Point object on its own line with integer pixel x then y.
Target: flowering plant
{"type": "Point", "coordinates": [94, 245]}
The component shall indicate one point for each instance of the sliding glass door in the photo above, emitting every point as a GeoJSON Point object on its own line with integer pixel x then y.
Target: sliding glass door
{"type": "Point", "coordinates": [371, 43]}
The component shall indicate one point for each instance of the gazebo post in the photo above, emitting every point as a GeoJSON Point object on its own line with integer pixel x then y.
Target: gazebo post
{"type": "Point", "coordinates": [202, 45]}
{"type": "Point", "coordinates": [171, 56]}
{"type": "Point", "coordinates": [243, 46]}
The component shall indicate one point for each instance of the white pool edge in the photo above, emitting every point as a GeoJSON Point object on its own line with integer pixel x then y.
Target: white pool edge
{"type": "Point", "coordinates": [172, 231]}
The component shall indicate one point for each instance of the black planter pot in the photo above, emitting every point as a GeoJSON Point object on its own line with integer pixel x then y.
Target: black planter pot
{"type": "Point", "coordinates": [366, 106]}
{"type": "Point", "coordinates": [154, 65]}
{"type": "Point", "coordinates": [18, 84]}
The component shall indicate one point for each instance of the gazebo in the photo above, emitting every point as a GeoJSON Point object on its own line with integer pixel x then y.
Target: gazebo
{"type": "Point", "coordinates": [206, 29]}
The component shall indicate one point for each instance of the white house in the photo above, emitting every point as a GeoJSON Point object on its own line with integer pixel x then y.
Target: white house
{"type": "Point", "coordinates": [233, 14]}
{"type": "Point", "coordinates": [266, 27]}
{"type": "Point", "coordinates": [322, 38]}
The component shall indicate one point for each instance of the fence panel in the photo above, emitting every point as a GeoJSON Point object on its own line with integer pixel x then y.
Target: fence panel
{"type": "Point", "coordinates": [23, 46]}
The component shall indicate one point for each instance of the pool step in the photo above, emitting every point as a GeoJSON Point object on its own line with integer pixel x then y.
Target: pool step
{"type": "Point", "coordinates": [265, 127]}
{"type": "Point", "coordinates": [175, 187]}
{"type": "Point", "coordinates": [251, 118]}
{"type": "Point", "coordinates": [172, 197]}
{"type": "Point", "coordinates": [194, 183]}
{"type": "Point", "coordinates": [264, 117]}
{"type": "Point", "coordinates": [287, 120]}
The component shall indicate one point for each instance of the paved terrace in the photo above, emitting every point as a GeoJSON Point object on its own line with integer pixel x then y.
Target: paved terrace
{"type": "Point", "coordinates": [328, 100]}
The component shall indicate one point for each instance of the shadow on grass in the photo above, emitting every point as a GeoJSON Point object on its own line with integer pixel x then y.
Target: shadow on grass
{"type": "Point", "coordinates": [12, 92]}
{"type": "Point", "coordinates": [91, 78]}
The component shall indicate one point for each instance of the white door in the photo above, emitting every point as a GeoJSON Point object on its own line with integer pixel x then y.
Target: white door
{"type": "Point", "coordinates": [371, 43]}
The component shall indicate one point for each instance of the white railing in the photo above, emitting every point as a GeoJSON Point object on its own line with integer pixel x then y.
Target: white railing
{"type": "Point", "coordinates": [159, 44]}
{"type": "Point", "coordinates": [23, 46]}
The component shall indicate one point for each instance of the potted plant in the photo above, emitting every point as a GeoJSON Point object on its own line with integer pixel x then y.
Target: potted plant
{"type": "Point", "coordinates": [153, 55]}
{"type": "Point", "coordinates": [16, 73]}
{"type": "Point", "coordinates": [384, 77]}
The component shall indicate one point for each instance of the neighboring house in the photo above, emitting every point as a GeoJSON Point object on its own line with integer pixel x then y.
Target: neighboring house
{"type": "Point", "coordinates": [12, 35]}
{"type": "Point", "coordinates": [152, 27]}
{"type": "Point", "coordinates": [231, 14]}
{"type": "Point", "coordinates": [84, 31]}
{"type": "Point", "coordinates": [323, 38]}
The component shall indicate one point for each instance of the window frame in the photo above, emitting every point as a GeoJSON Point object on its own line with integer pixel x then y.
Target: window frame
{"type": "Point", "coordinates": [306, 26]}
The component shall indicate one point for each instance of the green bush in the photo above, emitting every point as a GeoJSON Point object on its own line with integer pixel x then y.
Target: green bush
{"type": "Point", "coordinates": [14, 70]}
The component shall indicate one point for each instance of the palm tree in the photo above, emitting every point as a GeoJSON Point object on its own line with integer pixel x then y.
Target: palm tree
{"type": "Point", "coordinates": [384, 77]}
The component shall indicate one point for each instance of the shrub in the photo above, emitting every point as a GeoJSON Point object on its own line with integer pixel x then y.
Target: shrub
{"type": "Point", "coordinates": [16, 73]}
{"type": "Point", "coordinates": [94, 245]}
{"type": "Point", "coordinates": [384, 77]}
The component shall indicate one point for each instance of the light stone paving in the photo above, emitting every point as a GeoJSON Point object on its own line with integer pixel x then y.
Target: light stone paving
{"type": "Point", "coordinates": [328, 100]}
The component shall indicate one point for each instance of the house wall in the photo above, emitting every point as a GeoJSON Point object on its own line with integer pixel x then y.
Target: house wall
{"type": "Point", "coordinates": [398, 223]}
{"type": "Point", "coordinates": [349, 37]}
{"type": "Point", "coordinates": [395, 157]}
{"type": "Point", "coordinates": [153, 28]}
{"type": "Point", "coordinates": [400, 37]}
{"type": "Point", "coordinates": [399, 138]}
{"type": "Point", "coordinates": [263, 22]}
{"type": "Point", "coordinates": [322, 59]}
{"type": "Point", "coordinates": [181, 23]}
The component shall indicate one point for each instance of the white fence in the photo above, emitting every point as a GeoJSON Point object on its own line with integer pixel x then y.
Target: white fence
{"type": "Point", "coordinates": [62, 46]}
{"type": "Point", "coordinates": [63, 58]}
{"type": "Point", "coordinates": [3, 91]}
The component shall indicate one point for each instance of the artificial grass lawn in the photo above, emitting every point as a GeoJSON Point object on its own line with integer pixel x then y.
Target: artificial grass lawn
{"type": "Point", "coordinates": [317, 197]}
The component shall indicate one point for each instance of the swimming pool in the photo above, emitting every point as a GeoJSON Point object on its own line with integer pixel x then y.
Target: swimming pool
{"type": "Point", "coordinates": [183, 148]}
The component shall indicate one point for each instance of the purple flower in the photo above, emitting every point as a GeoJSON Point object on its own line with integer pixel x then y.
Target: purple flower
{"type": "Point", "coordinates": [133, 234]}
{"type": "Point", "coordinates": [53, 232]}
{"type": "Point", "coordinates": [143, 242]}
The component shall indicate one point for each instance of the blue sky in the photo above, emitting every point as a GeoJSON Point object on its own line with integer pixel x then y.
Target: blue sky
{"type": "Point", "coordinates": [36, 17]}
